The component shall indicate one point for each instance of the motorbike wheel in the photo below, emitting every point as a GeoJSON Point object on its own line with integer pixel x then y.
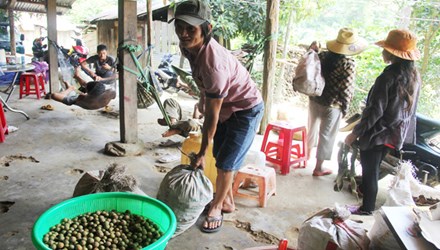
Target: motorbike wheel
{"type": "Point", "coordinates": [427, 173]}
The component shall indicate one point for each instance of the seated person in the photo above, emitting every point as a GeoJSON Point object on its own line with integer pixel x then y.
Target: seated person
{"type": "Point", "coordinates": [179, 126]}
{"type": "Point", "coordinates": [103, 63]}
{"type": "Point", "coordinates": [96, 94]}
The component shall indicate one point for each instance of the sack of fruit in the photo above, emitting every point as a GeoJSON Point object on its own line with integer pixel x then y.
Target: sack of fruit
{"type": "Point", "coordinates": [186, 191]}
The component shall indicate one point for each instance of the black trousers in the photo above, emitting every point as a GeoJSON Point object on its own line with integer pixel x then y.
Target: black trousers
{"type": "Point", "coordinates": [370, 161]}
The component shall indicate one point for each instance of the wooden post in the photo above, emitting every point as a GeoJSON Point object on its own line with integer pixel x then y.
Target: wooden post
{"type": "Point", "coordinates": [53, 53]}
{"type": "Point", "coordinates": [149, 29]}
{"type": "Point", "coordinates": [12, 31]}
{"type": "Point", "coordinates": [269, 59]}
{"type": "Point", "coordinates": [127, 29]}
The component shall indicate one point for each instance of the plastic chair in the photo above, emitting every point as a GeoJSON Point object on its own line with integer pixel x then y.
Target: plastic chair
{"type": "Point", "coordinates": [3, 124]}
{"type": "Point", "coordinates": [265, 177]}
{"type": "Point", "coordinates": [32, 83]}
{"type": "Point", "coordinates": [288, 149]}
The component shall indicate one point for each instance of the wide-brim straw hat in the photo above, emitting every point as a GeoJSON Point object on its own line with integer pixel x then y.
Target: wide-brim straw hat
{"type": "Point", "coordinates": [347, 43]}
{"type": "Point", "coordinates": [401, 43]}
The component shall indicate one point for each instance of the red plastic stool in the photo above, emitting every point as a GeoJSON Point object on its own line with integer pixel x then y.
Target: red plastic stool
{"type": "Point", "coordinates": [3, 124]}
{"type": "Point", "coordinates": [265, 177]}
{"type": "Point", "coordinates": [26, 81]}
{"type": "Point", "coordinates": [285, 151]}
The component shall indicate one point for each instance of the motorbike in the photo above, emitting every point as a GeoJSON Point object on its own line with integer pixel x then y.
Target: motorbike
{"type": "Point", "coordinates": [74, 55]}
{"type": "Point", "coordinates": [166, 75]}
{"type": "Point", "coordinates": [175, 79]}
{"type": "Point", "coordinates": [39, 50]}
{"type": "Point", "coordinates": [424, 155]}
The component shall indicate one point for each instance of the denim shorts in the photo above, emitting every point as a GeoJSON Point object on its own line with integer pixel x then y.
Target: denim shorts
{"type": "Point", "coordinates": [234, 137]}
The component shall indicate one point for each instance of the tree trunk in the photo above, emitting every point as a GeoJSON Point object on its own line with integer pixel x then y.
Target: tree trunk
{"type": "Point", "coordinates": [270, 47]}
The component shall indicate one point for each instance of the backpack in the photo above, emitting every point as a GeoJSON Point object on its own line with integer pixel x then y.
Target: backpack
{"type": "Point", "coordinates": [308, 79]}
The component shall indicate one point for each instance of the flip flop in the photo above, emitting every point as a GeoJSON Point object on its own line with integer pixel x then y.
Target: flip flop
{"type": "Point", "coordinates": [322, 173]}
{"type": "Point", "coordinates": [169, 143]}
{"type": "Point", "coordinates": [208, 206]}
{"type": "Point", "coordinates": [210, 219]}
{"type": "Point", "coordinates": [47, 107]}
{"type": "Point", "coordinates": [168, 158]}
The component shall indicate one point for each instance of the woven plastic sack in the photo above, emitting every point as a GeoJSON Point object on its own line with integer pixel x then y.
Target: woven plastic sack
{"type": "Point", "coordinates": [308, 79]}
{"type": "Point", "coordinates": [186, 191]}
{"type": "Point", "coordinates": [331, 229]}
{"type": "Point", "coordinates": [405, 186]}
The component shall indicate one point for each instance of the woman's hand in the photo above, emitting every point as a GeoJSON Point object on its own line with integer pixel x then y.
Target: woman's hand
{"type": "Point", "coordinates": [350, 139]}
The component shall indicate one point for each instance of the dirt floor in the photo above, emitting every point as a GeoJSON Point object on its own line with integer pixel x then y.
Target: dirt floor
{"type": "Point", "coordinates": [41, 162]}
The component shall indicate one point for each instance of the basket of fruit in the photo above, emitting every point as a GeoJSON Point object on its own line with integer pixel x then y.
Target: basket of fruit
{"type": "Point", "coordinates": [114, 220]}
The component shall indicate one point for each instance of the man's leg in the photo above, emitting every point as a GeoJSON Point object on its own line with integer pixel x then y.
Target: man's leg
{"type": "Point", "coordinates": [223, 193]}
{"type": "Point", "coordinates": [63, 94]}
{"type": "Point", "coordinates": [174, 111]}
{"type": "Point", "coordinates": [80, 77]}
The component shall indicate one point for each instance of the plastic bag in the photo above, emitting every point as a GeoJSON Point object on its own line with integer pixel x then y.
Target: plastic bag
{"type": "Point", "coordinates": [331, 229]}
{"type": "Point", "coordinates": [308, 79]}
{"type": "Point", "coordinates": [405, 186]}
{"type": "Point", "coordinates": [381, 236]}
{"type": "Point", "coordinates": [186, 191]}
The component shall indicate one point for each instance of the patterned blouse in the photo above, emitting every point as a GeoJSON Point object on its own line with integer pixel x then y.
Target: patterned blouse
{"type": "Point", "coordinates": [339, 84]}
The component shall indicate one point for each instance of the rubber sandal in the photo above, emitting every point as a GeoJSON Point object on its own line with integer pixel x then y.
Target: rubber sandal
{"type": "Point", "coordinates": [169, 143]}
{"type": "Point", "coordinates": [322, 173]}
{"type": "Point", "coordinates": [168, 158]}
{"type": "Point", "coordinates": [47, 107]}
{"type": "Point", "coordinates": [210, 219]}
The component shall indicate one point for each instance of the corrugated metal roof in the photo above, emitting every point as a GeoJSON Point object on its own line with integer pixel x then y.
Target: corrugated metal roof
{"type": "Point", "coordinates": [37, 6]}
{"type": "Point", "coordinates": [112, 14]}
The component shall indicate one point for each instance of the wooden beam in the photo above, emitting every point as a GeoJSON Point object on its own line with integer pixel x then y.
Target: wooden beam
{"type": "Point", "coordinates": [43, 2]}
{"type": "Point", "coordinates": [149, 28]}
{"type": "Point", "coordinates": [53, 53]}
{"type": "Point", "coordinates": [11, 4]}
{"type": "Point", "coordinates": [270, 47]}
{"type": "Point", "coordinates": [127, 81]}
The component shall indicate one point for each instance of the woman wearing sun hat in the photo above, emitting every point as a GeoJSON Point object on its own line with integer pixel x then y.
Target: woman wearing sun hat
{"type": "Point", "coordinates": [325, 111]}
{"type": "Point", "coordinates": [388, 120]}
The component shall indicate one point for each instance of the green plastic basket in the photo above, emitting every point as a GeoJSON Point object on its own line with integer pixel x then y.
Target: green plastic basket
{"type": "Point", "coordinates": [148, 207]}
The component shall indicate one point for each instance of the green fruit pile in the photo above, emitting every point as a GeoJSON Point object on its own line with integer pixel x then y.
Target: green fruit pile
{"type": "Point", "coordinates": [103, 230]}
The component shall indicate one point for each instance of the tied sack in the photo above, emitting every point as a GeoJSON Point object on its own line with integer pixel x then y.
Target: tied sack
{"type": "Point", "coordinates": [330, 229]}
{"type": "Point", "coordinates": [308, 79]}
{"type": "Point", "coordinates": [186, 191]}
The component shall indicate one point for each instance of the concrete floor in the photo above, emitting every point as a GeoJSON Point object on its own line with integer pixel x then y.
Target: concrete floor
{"type": "Point", "coordinates": [67, 141]}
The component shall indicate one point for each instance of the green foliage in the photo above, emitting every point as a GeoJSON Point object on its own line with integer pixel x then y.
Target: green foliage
{"type": "Point", "coordinates": [234, 18]}
{"type": "Point", "coordinates": [369, 65]}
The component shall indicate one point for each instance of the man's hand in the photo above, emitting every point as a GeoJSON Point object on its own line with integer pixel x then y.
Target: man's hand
{"type": "Point", "coordinates": [106, 66]}
{"type": "Point", "coordinates": [198, 161]}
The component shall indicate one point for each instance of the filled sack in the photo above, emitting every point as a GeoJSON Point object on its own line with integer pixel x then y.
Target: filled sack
{"type": "Point", "coordinates": [405, 186]}
{"type": "Point", "coordinates": [308, 79]}
{"type": "Point", "coordinates": [331, 229]}
{"type": "Point", "coordinates": [113, 179]}
{"type": "Point", "coordinates": [186, 191]}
